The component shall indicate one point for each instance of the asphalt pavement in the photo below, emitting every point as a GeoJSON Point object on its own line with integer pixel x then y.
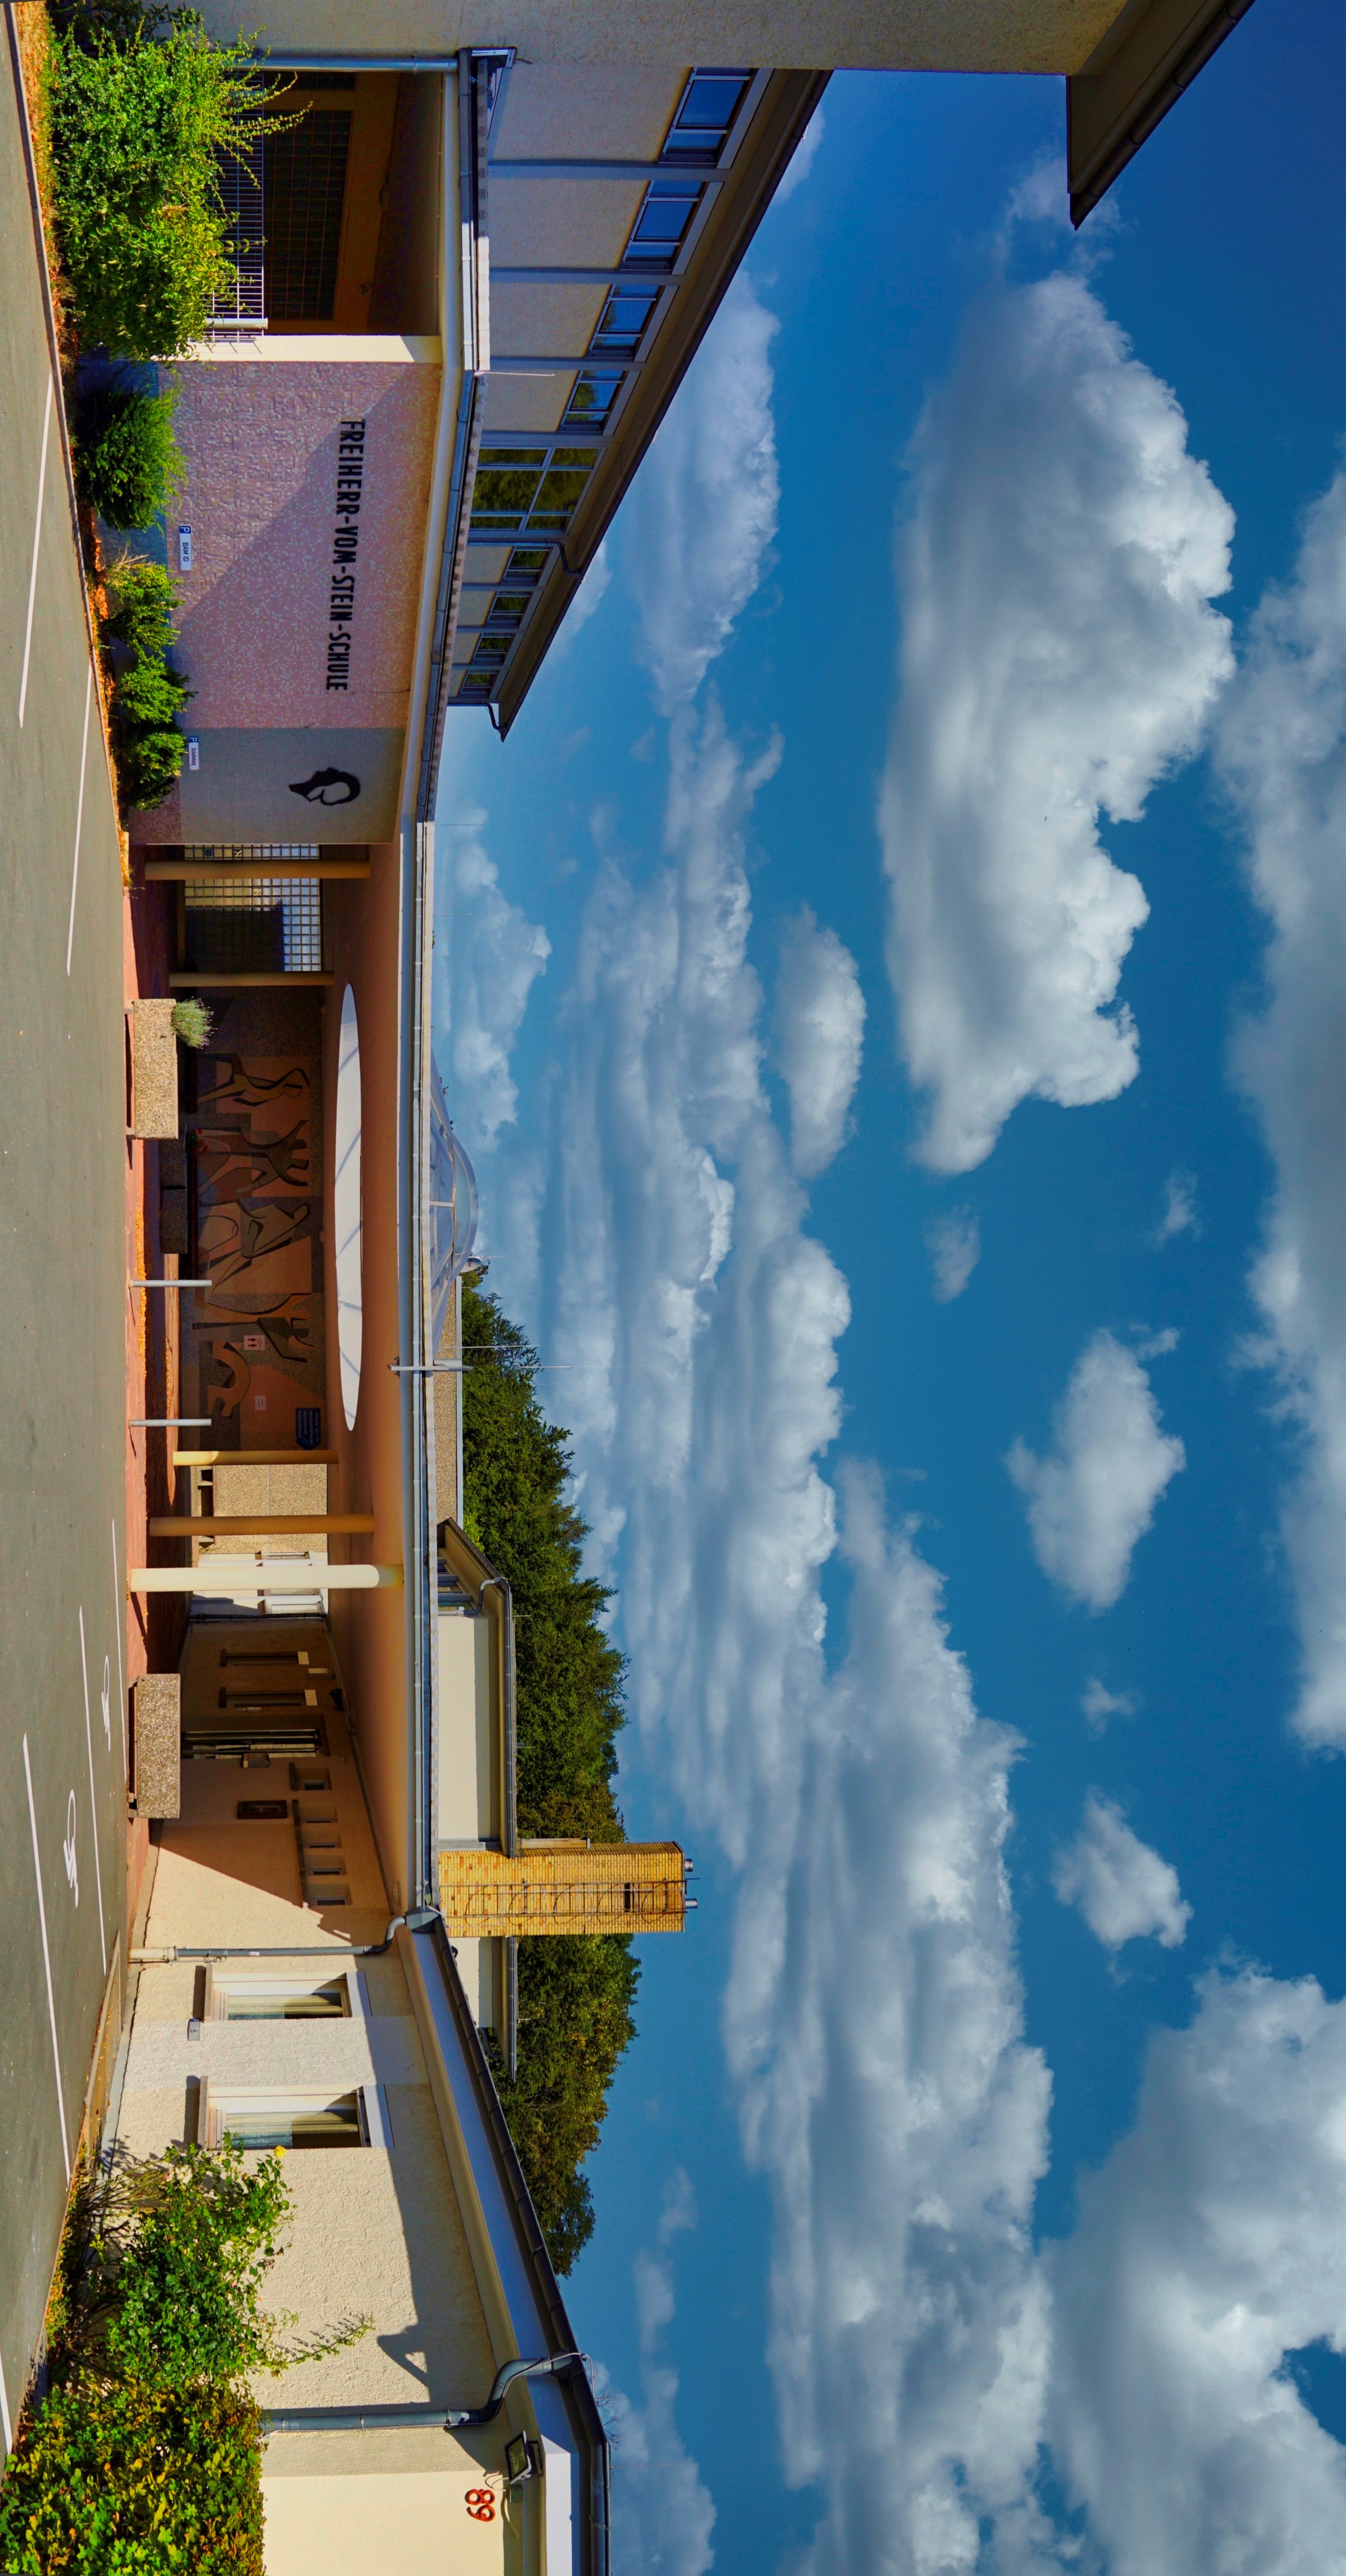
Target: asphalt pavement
{"type": "Point", "coordinates": [62, 1313]}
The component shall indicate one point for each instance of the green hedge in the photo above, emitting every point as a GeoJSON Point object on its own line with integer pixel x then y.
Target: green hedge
{"type": "Point", "coordinates": [575, 1994]}
{"type": "Point", "coordinates": [127, 459]}
{"type": "Point", "coordinates": [150, 695]}
{"type": "Point", "coordinates": [135, 2481]}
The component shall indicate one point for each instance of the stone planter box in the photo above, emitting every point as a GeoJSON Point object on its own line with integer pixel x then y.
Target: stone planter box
{"type": "Point", "coordinates": [154, 1069]}
{"type": "Point", "coordinates": [157, 1738]}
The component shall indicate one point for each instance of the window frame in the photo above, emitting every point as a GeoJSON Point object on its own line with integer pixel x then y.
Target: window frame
{"type": "Point", "coordinates": [219, 2099]}
{"type": "Point", "coordinates": [221, 1982]}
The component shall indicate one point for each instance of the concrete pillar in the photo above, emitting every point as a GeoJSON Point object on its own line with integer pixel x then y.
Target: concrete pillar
{"type": "Point", "coordinates": [228, 1575]}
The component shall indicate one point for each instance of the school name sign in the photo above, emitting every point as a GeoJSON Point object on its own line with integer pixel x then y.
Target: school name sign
{"type": "Point", "coordinates": [345, 551]}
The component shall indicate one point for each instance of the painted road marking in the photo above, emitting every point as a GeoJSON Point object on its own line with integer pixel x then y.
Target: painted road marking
{"type": "Point", "coordinates": [93, 1792]}
{"type": "Point", "coordinates": [68, 1852]}
{"type": "Point", "coordinates": [37, 534]}
{"type": "Point", "coordinates": [119, 1607]}
{"type": "Point", "coordinates": [79, 816]}
{"type": "Point", "coordinates": [46, 1958]}
{"type": "Point", "coordinates": [5, 2426]}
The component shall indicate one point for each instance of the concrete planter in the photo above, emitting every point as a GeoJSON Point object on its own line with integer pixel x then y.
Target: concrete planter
{"type": "Point", "coordinates": [154, 1069]}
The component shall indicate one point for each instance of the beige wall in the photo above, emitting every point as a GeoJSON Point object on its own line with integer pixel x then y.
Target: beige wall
{"type": "Point", "coordinates": [915, 35]}
{"type": "Point", "coordinates": [467, 1807]}
{"type": "Point", "coordinates": [402, 2504]}
{"type": "Point", "coordinates": [374, 2231]}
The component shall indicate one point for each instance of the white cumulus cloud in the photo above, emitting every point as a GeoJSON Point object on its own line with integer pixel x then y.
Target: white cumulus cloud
{"type": "Point", "coordinates": [1093, 1496]}
{"type": "Point", "coordinates": [487, 957]}
{"type": "Point", "coordinates": [1123, 1889]}
{"type": "Point", "coordinates": [1059, 655]}
{"type": "Point", "coordinates": [1179, 1214]}
{"type": "Point", "coordinates": [820, 1027]}
{"type": "Point", "coordinates": [1283, 755]}
{"type": "Point", "coordinates": [664, 2513]}
{"type": "Point", "coordinates": [1211, 2245]}
{"type": "Point", "coordinates": [873, 2018]}
{"type": "Point", "coordinates": [703, 510]}
{"type": "Point", "coordinates": [805, 154]}
{"type": "Point", "coordinates": [953, 1242]}
{"type": "Point", "coordinates": [1098, 1704]}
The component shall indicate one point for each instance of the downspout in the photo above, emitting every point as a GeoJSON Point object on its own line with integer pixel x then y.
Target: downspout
{"type": "Point", "coordinates": [449, 2419]}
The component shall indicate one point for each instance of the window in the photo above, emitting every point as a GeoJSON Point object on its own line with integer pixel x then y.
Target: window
{"type": "Point", "coordinates": [528, 489]}
{"type": "Point", "coordinates": [236, 923]}
{"type": "Point", "coordinates": [623, 322]}
{"type": "Point", "coordinates": [662, 224]}
{"type": "Point", "coordinates": [704, 116]}
{"type": "Point", "coordinates": [595, 391]}
{"type": "Point", "coordinates": [299, 1993]}
{"type": "Point", "coordinates": [325, 2003]}
{"type": "Point", "coordinates": [295, 2117]}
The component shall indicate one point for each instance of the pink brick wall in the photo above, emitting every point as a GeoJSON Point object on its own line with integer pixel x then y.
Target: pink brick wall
{"type": "Point", "coordinates": [262, 444]}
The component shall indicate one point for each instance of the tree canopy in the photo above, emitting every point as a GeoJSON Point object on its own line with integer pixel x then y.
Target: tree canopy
{"type": "Point", "coordinates": [576, 1992]}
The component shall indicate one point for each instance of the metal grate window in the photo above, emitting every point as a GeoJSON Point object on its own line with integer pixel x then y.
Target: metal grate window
{"type": "Point", "coordinates": [305, 191]}
{"type": "Point", "coordinates": [237, 925]}
{"type": "Point", "coordinates": [242, 307]}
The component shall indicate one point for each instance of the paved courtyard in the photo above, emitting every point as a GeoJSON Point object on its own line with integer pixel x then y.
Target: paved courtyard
{"type": "Point", "coordinates": [63, 1295]}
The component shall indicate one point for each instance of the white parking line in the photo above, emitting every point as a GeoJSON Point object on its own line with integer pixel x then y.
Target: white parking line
{"type": "Point", "coordinates": [79, 817]}
{"type": "Point", "coordinates": [46, 1959]}
{"type": "Point", "coordinates": [120, 1608]}
{"type": "Point", "coordinates": [37, 535]}
{"type": "Point", "coordinates": [93, 1789]}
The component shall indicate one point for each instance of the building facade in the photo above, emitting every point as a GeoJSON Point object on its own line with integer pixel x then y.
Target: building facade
{"type": "Point", "coordinates": [469, 281]}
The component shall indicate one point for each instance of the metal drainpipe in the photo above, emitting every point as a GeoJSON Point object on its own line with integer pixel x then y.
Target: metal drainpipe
{"type": "Point", "coordinates": [450, 2419]}
{"type": "Point", "coordinates": [418, 1918]}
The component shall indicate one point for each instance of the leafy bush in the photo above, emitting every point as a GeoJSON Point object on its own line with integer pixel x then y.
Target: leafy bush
{"type": "Point", "coordinates": [145, 604]}
{"type": "Point", "coordinates": [576, 1994]}
{"type": "Point", "coordinates": [132, 2481]}
{"type": "Point", "coordinates": [192, 1021]}
{"type": "Point", "coordinates": [150, 694]}
{"type": "Point", "coordinates": [145, 2459]}
{"type": "Point", "coordinates": [138, 129]}
{"type": "Point", "coordinates": [127, 460]}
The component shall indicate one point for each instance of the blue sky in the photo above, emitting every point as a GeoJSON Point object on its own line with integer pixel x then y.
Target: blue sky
{"type": "Point", "coordinates": [890, 985]}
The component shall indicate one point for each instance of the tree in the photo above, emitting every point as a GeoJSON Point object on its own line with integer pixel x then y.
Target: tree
{"type": "Point", "coordinates": [575, 1991]}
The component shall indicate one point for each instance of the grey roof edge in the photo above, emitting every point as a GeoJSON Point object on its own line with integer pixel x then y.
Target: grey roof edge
{"type": "Point", "coordinates": [433, 1953]}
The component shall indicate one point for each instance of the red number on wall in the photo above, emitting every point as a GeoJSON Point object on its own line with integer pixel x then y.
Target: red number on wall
{"type": "Point", "coordinates": [481, 2504]}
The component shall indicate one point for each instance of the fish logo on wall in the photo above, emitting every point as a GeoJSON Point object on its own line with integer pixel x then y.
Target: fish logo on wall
{"type": "Point", "coordinates": [327, 787]}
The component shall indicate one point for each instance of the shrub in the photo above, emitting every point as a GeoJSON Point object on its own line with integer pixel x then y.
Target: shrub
{"type": "Point", "coordinates": [150, 763]}
{"type": "Point", "coordinates": [145, 604]}
{"type": "Point", "coordinates": [133, 2480]}
{"type": "Point", "coordinates": [127, 460]}
{"type": "Point", "coordinates": [138, 130]}
{"type": "Point", "coordinates": [150, 695]}
{"type": "Point", "coordinates": [145, 2459]}
{"type": "Point", "coordinates": [192, 1021]}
